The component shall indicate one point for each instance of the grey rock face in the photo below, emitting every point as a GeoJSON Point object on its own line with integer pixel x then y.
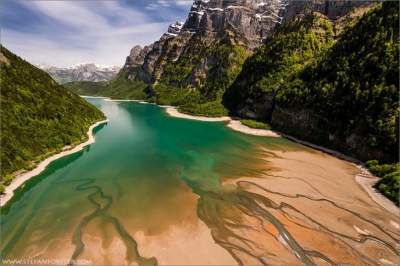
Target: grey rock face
{"type": "Point", "coordinates": [166, 50]}
{"type": "Point", "coordinates": [173, 30]}
{"type": "Point", "coordinates": [250, 21]}
{"type": "Point", "coordinates": [136, 56]}
{"type": "Point", "coordinates": [332, 9]}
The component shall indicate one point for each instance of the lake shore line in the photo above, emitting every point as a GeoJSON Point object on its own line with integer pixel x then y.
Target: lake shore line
{"type": "Point", "coordinates": [365, 178]}
{"type": "Point", "coordinates": [235, 125]}
{"type": "Point", "coordinates": [22, 178]}
{"type": "Point", "coordinates": [238, 126]}
{"type": "Point", "coordinates": [173, 111]}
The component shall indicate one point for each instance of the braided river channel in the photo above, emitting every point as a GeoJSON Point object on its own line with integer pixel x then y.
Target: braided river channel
{"type": "Point", "coordinates": [160, 190]}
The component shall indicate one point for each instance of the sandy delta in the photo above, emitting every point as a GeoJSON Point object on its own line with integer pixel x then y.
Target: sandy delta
{"type": "Point", "coordinates": [303, 207]}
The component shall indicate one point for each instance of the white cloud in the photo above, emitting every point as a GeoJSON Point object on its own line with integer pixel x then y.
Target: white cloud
{"type": "Point", "coordinates": [98, 47]}
{"type": "Point", "coordinates": [68, 12]}
{"type": "Point", "coordinates": [151, 6]}
{"type": "Point", "coordinates": [166, 3]}
{"type": "Point", "coordinates": [183, 2]}
{"type": "Point", "coordinates": [163, 3]}
{"type": "Point", "coordinates": [97, 34]}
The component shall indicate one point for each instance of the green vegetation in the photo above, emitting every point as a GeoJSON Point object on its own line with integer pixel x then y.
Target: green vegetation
{"type": "Point", "coordinates": [38, 116]}
{"type": "Point", "coordinates": [175, 86]}
{"type": "Point", "coordinates": [389, 184]}
{"type": "Point", "coordinates": [91, 88]}
{"type": "Point", "coordinates": [63, 80]}
{"type": "Point", "coordinates": [118, 88]}
{"type": "Point", "coordinates": [337, 91]}
{"type": "Point", "coordinates": [168, 95]}
{"type": "Point", "coordinates": [212, 109]}
{"type": "Point", "coordinates": [123, 88]}
{"type": "Point", "coordinates": [176, 83]}
{"type": "Point", "coordinates": [255, 124]}
{"type": "Point", "coordinates": [275, 66]}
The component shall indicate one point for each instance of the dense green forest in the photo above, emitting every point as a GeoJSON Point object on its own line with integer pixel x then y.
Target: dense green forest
{"type": "Point", "coordinates": [38, 116]}
{"type": "Point", "coordinates": [90, 88]}
{"type": "Point", "coordinates": [346, 90]}
{"type": "Point", "coordinates": [119, 87]}
{"type": "Point", "coordinates": [340, 91]}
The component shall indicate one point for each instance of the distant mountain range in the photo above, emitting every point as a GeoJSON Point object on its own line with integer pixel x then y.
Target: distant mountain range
{"type": "Point", "coordinates": [81, 72]}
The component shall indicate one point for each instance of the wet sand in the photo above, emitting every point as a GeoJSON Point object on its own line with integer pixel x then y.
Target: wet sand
{"type": "Point", "coordinates": [365, 179]}
{"type": "Point", "coordinates": [22, 178]}
{"type": "Point", "coordinates": [238, 126]}
{"type": "Point", "coordinates": [308, 209]}
{"type": "Point", "coordinates": [294, 206]}
{"type": "Point", "coordinates": [184, 245]}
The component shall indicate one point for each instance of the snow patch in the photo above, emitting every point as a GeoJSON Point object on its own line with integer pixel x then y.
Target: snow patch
{"type": "Point", "coordinates": [200, 13]}
{"type": "Point", "coordinates": [215, 9]}
{"type": "Point", "coordinates": [171, 34]}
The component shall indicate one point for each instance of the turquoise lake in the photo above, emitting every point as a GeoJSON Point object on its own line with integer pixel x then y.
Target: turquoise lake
{"type": "Point", "coordinates": [145, 172]}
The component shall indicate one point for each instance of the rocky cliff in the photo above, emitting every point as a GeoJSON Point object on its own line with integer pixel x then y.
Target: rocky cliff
{"type": "Point", "coordinates": [194, 54]}
{"type": "Point", "coordinates": [198, 60]}
{"type": "Point", "coordinates": [337, 88]}
{"type": "Point", "coordinates": [333, 10]}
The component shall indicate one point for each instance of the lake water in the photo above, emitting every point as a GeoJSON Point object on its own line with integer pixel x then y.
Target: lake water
{"type": "Point", "coordinates": [155, 189]}
{"type": "Point", "coordinates": [146, 176]}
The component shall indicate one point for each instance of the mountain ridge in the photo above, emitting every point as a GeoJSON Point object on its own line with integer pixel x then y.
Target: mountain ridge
{"type": "Point", "coordinates": [81, 72]}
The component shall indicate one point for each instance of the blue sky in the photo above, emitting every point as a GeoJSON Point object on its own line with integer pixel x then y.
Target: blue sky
{"type": "Point", "coordinates": [63, 33]}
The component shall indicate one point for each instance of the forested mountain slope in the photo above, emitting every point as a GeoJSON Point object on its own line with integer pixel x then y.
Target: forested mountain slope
{"type": "Point", "coordinates": [38, 116]}
{"type": "Point", "coordinates": [339, 92]}
{"type": "Point", "coordinates": [118, 88]}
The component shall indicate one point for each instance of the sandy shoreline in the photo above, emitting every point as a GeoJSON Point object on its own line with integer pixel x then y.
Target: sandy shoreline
{"type": "Point", "coordinates": [365, 182]}
{"type": "Point", "coordinates": [22, 178]}
{"type": "Point", "coordinates": [108, 99]}
{"type": "Point", "coordinates": [173, 111]}
{"type": "Point", "coordinates": [119, 100]}
{"type": "Point", "coordinates": [365, 178]}
{"type": "Point", "coordinates": [238, 126]}
{"type": "Point", "coordinates": [95, 97]}
{"type": "Point", "coordinates": [233, 124]}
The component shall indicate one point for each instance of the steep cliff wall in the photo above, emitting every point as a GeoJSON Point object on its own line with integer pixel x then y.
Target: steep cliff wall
{"type": "Point", "coordinates": [205, 54]}
{"type": "Point", "coordinates": [335, 89]}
